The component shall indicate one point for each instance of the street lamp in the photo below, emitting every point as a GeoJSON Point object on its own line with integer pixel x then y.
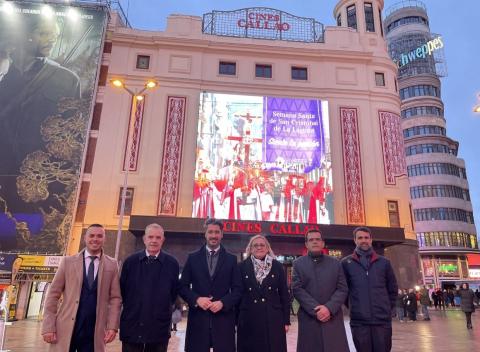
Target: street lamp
{"type": "Point", "coordinates": [477, 107]}
{"type": "Point", "coordinates": [136, 96]}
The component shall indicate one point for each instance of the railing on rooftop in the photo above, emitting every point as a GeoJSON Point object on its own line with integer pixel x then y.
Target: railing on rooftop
{"type": "Point", "coordinates": [405, 4]}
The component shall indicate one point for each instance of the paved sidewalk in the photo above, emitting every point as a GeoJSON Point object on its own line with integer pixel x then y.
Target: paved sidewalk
{"type": "Point", "coordinates": [446, 332]}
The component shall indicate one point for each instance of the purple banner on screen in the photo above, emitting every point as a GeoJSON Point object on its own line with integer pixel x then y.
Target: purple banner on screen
{"type": "Point", "coordinates": [294, 138]}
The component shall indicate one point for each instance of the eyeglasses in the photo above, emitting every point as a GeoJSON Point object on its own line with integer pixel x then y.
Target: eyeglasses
{"type": "Point", "coordinates": [259, 245]}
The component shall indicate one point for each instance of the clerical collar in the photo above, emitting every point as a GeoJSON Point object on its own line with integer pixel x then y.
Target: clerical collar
{"type": "Point", "coordinates": [315, 257]}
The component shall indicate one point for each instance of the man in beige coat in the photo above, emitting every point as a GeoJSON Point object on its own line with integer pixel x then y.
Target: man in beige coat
{"type": "Point", "coordinates": [88, 315]}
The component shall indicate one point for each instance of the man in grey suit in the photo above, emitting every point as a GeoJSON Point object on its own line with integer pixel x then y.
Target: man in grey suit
{"type": "Point", "coordinates": [319, 285]}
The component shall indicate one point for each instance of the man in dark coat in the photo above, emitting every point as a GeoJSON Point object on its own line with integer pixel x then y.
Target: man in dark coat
{"type": "Point", "coordinates": [372, 294]}
{"type": "Point", "coordinates": [149, 284]}
{"type": "Point", "coordinates": [212, 287]}
{"type": "Point", "coordinates": [466, 303]}
{"type": "Point", "coordinates": [318, 284]}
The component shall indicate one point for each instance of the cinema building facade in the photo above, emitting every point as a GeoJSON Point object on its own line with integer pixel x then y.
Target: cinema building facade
{"type": "Point", "coordinates": [272, 122]}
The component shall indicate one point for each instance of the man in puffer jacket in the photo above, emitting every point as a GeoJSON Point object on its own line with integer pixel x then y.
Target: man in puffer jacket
{"type": "Point", "coordinates": [372, 294]}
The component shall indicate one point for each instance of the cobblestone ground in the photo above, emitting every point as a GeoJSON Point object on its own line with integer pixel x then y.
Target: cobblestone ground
{"type": "Point", "coordinates": [445, 332]}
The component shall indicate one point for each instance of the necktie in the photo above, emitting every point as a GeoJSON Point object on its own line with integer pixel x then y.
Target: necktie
{"type": "Point", "coordinates": [212, 253]}
{"type": "Point", "coordinates": [151, 259]}
{"type": "Point", "coordinates": [91, 271]}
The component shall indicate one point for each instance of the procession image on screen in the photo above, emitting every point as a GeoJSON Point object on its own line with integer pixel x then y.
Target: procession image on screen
{"type": "Point", "coordinates": [263, 158]}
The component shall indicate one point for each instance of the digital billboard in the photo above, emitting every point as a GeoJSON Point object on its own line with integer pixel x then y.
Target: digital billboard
{"type": "Point", "coordinates": [49, 57]}
{"type": "Point", "coordinates": [263, 158]}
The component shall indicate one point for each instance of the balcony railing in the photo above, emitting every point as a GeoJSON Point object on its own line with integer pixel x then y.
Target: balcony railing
{"type": "Point", "coordinates": [405, 4]}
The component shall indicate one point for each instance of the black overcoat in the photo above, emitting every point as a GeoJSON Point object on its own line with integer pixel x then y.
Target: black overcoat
{"type": "Point", "coordinates": [264, 310]}
{"type": "Point", "coordinates": [320, 281]}
{"type": "Point", "coordinates": [149, 290]}
{"type": "Point", "coordinates": [466, 300]}
{"type": "Point", "coordinates": [224, 285]}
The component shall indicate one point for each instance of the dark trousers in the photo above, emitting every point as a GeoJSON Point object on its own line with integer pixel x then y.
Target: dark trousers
{"type": "Point", "coordinates": [82, 345]}
{"type": "Point", "coordinates": [412, 315]}
{"type": "Point", "coordinates": [468, 315]}
{"type": "Point", "coordinates": [372, 338]}
{"type": "Point", "coordinates": [144, 347]}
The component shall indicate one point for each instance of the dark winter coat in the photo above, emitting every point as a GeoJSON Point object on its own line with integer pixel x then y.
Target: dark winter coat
{"type": "Point", "coordinates": [320, 281]}
{"type": "Point", "coordinates": [411, 304]}
{"type": "Point", "coordinates": [264, 310]}
{"type": "Point", "coordinates": [400, 301]}
{"type": "Point", "coordinates": [149, 290]}
{"type": "Point", "coordinates": [373, 292]}
{"type": "Point", "coordinates": [466, 300]}
{"type": "Point", "coordinates": [225, 285]}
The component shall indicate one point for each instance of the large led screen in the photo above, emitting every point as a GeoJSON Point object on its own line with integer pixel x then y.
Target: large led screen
{"type": "Point", "coordinates": [263, 158]}
{"type": "Point", "coordinates": [49, 58]}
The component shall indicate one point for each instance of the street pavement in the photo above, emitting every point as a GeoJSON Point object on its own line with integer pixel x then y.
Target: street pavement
{"type": "Point", "coordinates": [445, 332]}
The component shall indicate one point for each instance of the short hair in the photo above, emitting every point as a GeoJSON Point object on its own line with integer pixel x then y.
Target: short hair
{"type": "Point", "coordinates": [309, 231]}
{"type": "Point", "coordinates": [248, 250]}
{"type": "Point", "coordinates": [95, 225]}
{"type": "Point", "coordinates": [152, 227]}
{"type": "Point", "coordinates": [213, 221]}
{"type": "Point", "coordinates": [363, 229]}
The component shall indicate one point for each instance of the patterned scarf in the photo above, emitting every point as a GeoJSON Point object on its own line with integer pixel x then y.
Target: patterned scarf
{"type": "Point", "coordinates": [262, 267]}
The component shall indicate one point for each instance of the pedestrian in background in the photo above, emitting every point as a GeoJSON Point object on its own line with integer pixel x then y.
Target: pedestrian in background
{"type": "Point", "coordinates": [176, 314]}
{"type": "Point", "coordinates": [88, 286]}
{"type": "Point", "coordinates": [264, 310]}
{"type": "Point", "coordinates": [466, 303]}
{"type": "Point", "coordinates": [435, 299]}
{"type": "Point", "coordinates": [149, 283]}
{"type": "Point", "coordinates": [318, 284]}
{"type": "Point", "coordinates": [412, 305]}
{"type": "Point", "coordinates": [400, 306]}
{"type": "Point", "coordinates": [425, 302]}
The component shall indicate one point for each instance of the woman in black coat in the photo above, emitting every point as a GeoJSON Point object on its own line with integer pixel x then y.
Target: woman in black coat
{"type": "Point", "coordinates": [264, 310]}
{"type": "Point", "coordinates": [411, 305]}
{"type": "Point", "coordinates": [466, 303]}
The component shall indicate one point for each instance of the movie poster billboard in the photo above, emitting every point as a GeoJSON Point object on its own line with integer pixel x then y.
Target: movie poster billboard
{"type": "Point", "coordinates": [49, 57]}
{"type": "Point", "coordinates": [263, 158]}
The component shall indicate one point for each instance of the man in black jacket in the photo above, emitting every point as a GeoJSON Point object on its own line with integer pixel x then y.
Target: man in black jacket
{"type": "Point", "coordinates": [212, 287]}
{"type": "Point", "coordinates": [372, 294]}
{"type": "Point", "coordinates": [149, 283]}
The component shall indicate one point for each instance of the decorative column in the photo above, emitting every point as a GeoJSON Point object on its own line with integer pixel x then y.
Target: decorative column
{"type": "Point", "coordinates": [352, 167]}
{"type": "Point", "coordinates": [172, 156]}
{"type": "Point", "coordinates": [134, 133]}
{"type": "Point", "coordinates": [394, 161]}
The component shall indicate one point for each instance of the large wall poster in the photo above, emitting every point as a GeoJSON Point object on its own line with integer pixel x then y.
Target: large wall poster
{"type": "Point", "coordinates": [263, 158]}
{"type": "Point", "coordinates": [49, 57]}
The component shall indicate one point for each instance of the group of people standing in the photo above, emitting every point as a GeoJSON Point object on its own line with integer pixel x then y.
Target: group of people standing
{"type": "Point", "coordinates": [408, 300]}
{"type": "Point", "coordinates": [250, 300]}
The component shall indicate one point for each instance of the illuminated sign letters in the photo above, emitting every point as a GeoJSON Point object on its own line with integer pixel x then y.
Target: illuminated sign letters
{"type": "Point", "coordinates": [420, 52]}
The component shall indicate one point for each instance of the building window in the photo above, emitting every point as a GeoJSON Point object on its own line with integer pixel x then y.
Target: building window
{"type": "Point", "coordinates": [227, 68]}
{"type": "Point", "coordinates": [143, 62]}
{"type": "Point", "coordinates": [442, 191]}
{"type": "Point", "coordinates": [429, 148]}
{"type": "Point", "coordinates": [299, 73]}
{"type": "Point", "coordinates": [447, 214]}
{"type": "Point", "coordinates": [422, 111]}
{"type": "Point", "coordinates": [82, 201]}
{"type": "Point", "coordinates": [128, 201]}
{"type": "Point", "coordinates": [352, 17]}
{"type": "Point", "coordinates": [393, 213]}
{"type": "Point", "coordinates": [447, 239]}
{"type": "Point", "coordinates": [424, 130]}
{"type": "Point", "coordinates": [369, 18]}
{"type": "Point", "coordinates": [381, 21]}
{"type": "Point", "coordinates": [90, 156]}
{"type": "Point", "coordinates": [339, 20]}
{"type": "Point", "coordinates": [420, 90]}
{"type": "Point", "coordinates": [107, 47]}
{"type": "Point", "coordinates": [263, 71]}
{"type": "Point", "coordinates": [97, 114]}
{"type": "Point", "coordinates": [436, 169]}
{"type": "Point", "coordinates": [380, 79]}
{"type": "Point", "coordinates": [407, 20]}
{"type": "Point", "coordinates": [102, 77]}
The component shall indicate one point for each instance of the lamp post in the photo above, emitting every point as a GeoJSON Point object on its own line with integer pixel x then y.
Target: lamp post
{"type": "Point", "coordinates": [477, 107]}
{"type": "Point", "coordinates": [136, 96]}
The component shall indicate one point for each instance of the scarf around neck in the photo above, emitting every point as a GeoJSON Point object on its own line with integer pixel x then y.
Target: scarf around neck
{"type": "Point", "coordinates": [262, 267]}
